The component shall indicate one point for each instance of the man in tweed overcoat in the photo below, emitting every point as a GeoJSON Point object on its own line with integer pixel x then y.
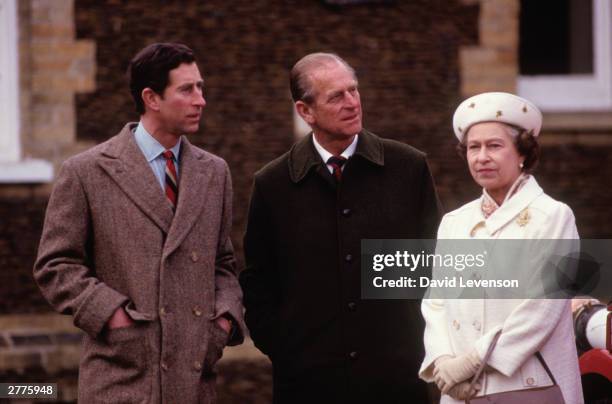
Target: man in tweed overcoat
{"type": "Point", "coordinates": [151, 281]}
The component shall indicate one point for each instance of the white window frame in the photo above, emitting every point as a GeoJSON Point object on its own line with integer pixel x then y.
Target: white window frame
{"type": "Point", "coordinates": [10, 148]}
{"type": "Point", "coordinates": [579, 92]}
{"type": "Point", "coordinates": [13, 169]}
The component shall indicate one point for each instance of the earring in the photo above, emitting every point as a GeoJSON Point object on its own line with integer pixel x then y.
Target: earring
{"type": "Point", "coordinates": [521, 165]}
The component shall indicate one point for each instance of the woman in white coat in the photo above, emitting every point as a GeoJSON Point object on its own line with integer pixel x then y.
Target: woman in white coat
{"type": "Point", "coordinates": [498, 136]}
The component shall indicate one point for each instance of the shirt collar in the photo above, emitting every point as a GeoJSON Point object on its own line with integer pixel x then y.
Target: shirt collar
{"type": "Point", "coordinates": [325, 155]}
{"type": "Point", "coordinates": [303, 156]}
{"type": "Point", "coordinates": [150, 147]}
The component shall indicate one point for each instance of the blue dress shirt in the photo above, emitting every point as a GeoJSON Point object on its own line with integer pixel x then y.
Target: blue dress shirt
{"type": "Point", "coordinates": [153, 150]}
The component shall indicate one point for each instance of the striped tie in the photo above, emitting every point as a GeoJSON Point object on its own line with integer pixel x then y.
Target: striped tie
{"type": "Point", "coordinates": [337, 163]}
{"type": "Point", "coordinates": [171, 182]}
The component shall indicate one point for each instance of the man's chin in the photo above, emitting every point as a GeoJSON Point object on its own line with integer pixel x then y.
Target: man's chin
{"type": "Point", "coordinates": [353, 130]}
{"type": "Point", "coordinates": [191, 129]}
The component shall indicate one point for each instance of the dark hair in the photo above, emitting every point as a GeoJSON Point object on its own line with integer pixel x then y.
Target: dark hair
{"type": "Point", "coordinates": [525, 143]}
{"type": "Point", "coordinates": [299, 81]}
{"type": "Point", "coordinates": [151, 66]}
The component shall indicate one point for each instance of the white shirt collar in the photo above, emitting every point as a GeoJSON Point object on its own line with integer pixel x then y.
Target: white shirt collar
{"type": "Point", "coordinates": [325, 155]}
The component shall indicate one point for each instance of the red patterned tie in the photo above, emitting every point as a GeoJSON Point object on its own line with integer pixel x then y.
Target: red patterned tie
{"type": "Point", "coordinates": [171, 180]}
{"type": "Point", "coordinates": [337, 163]}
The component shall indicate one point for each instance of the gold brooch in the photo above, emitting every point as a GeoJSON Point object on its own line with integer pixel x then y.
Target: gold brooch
{"type": "Point", "coordinates": [475, 228]}
{"type": "Point", "coordinates": [523, 218]}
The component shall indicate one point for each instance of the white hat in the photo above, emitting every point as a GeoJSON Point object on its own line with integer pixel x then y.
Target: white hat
{"type": "Point", "coordinates": [497, 107]}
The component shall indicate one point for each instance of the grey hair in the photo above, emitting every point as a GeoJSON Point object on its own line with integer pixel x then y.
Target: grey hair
{"type": "Point", "coordinates": [299, 77]}
{"type": "Point", "coordinates": [512, 130]}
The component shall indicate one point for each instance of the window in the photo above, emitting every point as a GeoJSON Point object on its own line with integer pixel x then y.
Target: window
{"type": "Point", "coordinates": [9, 83]}
{"type": "Point", "coordinates": [565, 54]}
{"type": "Point", "coordinates": [13, 169]}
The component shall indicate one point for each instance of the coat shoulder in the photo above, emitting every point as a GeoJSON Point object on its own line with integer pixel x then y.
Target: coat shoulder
{"type": "Point", "coordinates": [274, 170]}
{"type": "Point", "coordinates": [88, 157]}
{"type": "Point", "coordinates": [402, 158]}
{"type": "Point", "coordinates": [463, 210]}
{"type": "Point", "coordinates": [394, 148]}
{"type": "Point", "coordinates": [456, 219]}
{"type": "Point", "coordinates": [206, 155]}
{"type": "Point", "coordinates": [548, 206]}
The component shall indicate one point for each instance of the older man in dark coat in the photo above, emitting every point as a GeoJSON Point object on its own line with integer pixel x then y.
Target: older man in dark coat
{"type": "Point", "coordinates": [136, 246]}
{"type": "Point", "coordinates": [309, 211]}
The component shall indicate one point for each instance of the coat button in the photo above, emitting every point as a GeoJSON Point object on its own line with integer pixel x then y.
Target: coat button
{"type": "Point", "coordinates": [164, 366]}
{"type": "Point", "coordinates": [163, 311]}
{"type": "Point", "coordinates": [196, 311]}
{"type": "Point", "coordinates": [197, 366]}
{"type": "Point", "coordinates": [348, 258]}
{"type": "Point", "coordinates": [194, 256]}
{"type": "Point", "coordinates": [353, 355]}
{"type": "Point", "coordinates": [530, 381]}
{"type": "Point", "coordinates": [352, 306]}
{"type": "Point", "coordinates": [476, 325]}
{"type": "Point", "coordinates": [456, 325]}
{"type": "Point", "coordinates": [346, 212]}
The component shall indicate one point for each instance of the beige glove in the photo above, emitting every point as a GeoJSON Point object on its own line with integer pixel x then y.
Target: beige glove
{"type": "Point", "coordinates": [462, 390]}
{"type": "Point", "coordinates": [449, 371]}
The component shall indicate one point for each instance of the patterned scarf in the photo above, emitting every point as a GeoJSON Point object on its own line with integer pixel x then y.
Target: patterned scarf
{"type": "Point", "coordinates": [488, 205]}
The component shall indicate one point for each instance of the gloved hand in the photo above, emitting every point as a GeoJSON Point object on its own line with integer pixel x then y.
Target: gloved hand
{"type": "Point", "coordinates": [449, 371]}
{"type": "Point", "coordinates": [462, 390]}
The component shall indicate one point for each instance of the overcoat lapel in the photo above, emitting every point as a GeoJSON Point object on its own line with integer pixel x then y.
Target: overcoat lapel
{"type": "Point", "coordinates": [124, 162]}
{"type": "Point", "coordinates": [513, 206]}
{"type": "Point", "coordinates": [194, 180]}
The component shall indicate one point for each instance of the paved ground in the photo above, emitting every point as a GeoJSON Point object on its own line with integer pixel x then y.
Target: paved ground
{"type": "Point", "coordinates": [245, 376]}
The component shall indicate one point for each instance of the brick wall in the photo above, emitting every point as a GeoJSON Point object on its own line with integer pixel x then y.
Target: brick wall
{"type": "Point", "coordinates": [406, 56]}
{"type": "Point", "coordinates": [53, 68]}
{"type": "Point", "coordinates": [576, 147]}
{"type": "Point", "coordinates": [416, 61]}
{"type": "Point", "coordinates": [21, 218]}
{"type": "Point", "coordinates": [410, 57]}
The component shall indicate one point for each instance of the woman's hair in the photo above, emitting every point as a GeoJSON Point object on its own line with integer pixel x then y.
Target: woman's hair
{"type": "Point", "coordinates": [524, 141]}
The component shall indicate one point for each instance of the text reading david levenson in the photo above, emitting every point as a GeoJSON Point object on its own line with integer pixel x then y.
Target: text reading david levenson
{"type": "Point", "coordinates": [470, 269]}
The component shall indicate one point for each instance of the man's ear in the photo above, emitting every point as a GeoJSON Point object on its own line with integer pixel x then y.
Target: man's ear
{"type": "Point", "coordinates": [305, 112]}
{"type": "Point", "coordinates": [150, 99]}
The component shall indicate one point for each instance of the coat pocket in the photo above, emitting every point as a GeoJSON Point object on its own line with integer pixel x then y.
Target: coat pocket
{"type": "Point", "coordinates": [114, 367]}
{"type": "Point", "coordinates": [218, 341]}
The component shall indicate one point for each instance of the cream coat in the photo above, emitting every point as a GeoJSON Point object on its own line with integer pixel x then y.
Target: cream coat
{"type": "Point", "coordinates": [454, 327]}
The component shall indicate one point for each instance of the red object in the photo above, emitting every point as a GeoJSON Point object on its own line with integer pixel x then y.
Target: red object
{"type": "Point", "coordinates": [609, 328]}
{"type": "Point", "coordinates": [171, 187]}
{"type": "Point", "coordinates": [597, 361]}
{"type": "Point", "coordinates": [337, 162]}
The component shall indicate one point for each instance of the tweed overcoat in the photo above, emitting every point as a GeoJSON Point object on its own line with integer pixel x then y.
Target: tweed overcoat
{"type": "Point", "coordinates": [302, 281]}
{"type": "Point", "coordinates": [457, 326]}
{"type": "Point", "coordinates": [110, 238]}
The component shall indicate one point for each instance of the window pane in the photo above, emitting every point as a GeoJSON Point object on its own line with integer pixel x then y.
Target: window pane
{"type": "Point", "coordinates": [556, 37]}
